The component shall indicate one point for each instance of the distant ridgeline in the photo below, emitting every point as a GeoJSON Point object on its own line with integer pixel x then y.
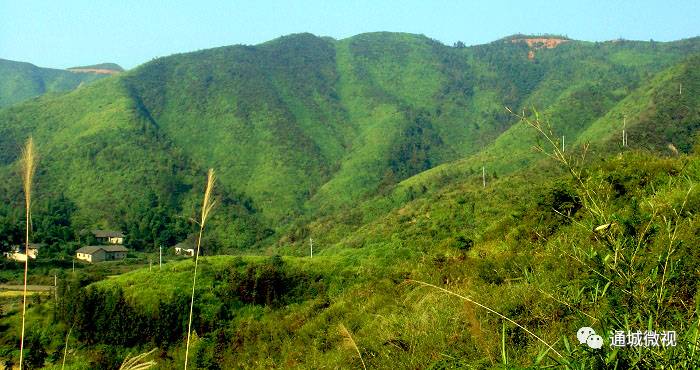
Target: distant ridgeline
{"type": "Point", "coordinates": [303, 127]}
{"type": "Point", "coordinates": [538, 42]}
{"type": "Point", "coordinates": [103, 68]}
{"type": "Point", "coordinates": [20, 81]}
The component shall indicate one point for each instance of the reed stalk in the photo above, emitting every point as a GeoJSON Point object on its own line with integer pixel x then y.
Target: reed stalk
{"type": "Point", "coordinates": [28, 163]}
{"type": "Point", "coordinates": [207, 205]}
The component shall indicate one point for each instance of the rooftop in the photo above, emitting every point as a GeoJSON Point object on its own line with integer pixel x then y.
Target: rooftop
{"type": "Point", "coordinates": [107, 248]}
{"type": "Point", "coordinates": [107, 234]}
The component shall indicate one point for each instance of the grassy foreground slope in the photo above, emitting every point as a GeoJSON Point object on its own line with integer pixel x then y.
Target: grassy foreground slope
{"type": "Point", "coordinates": [523, 247]}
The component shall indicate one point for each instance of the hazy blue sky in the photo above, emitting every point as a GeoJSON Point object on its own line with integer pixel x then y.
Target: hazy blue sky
{"type": "Point", "coordinates": [67, 33]}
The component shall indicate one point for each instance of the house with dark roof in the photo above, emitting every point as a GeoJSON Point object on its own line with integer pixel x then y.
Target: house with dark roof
{"type": "Point", "coordinates": [109, 236]}
{"type": "Point", "coordinates": [99, 253]}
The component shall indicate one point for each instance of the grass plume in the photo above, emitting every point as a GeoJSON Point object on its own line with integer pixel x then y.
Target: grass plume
{"type": "Point", "coordinates": [28, 162]}
{"type": "Point", "coordinates": [133, 363]}
{"type": "Point", "coordinates": [487, 309]}
{"type": "Point", "coordinates": [207, 205]}
{"type": "Point", "coordinates": [349, 342]}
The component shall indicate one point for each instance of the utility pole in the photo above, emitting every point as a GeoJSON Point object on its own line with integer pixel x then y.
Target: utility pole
{"type": "Point", "coordinates": [160, 257]}
{"type": "Point", "coordinates": [483, 175]}
{"type": "Point", "coordinates": [150, 264]}
{"type": "Point", "coordinates": [311, 241]}
{"type": "Point", "coordinates": [74, 265]}
{"type": "Point", "coordinates": [55, 288]}
{"type": "Point", "coordinates": [562, 143]}
{"type": "Point", "coordinates": [624, 134]}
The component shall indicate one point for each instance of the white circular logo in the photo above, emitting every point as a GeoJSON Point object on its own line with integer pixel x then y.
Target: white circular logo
{"type": "Point", "coordinates": [595, 341]}
{"type": "Point", "coordinates": [583, 334]}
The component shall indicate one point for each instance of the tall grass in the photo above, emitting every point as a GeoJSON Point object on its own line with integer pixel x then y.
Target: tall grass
{"type": "Point", "coordinates": [28, 162]}
{"type": "Point", "coordinates": [593, 199]}
{"type": "Point", "coordinates": [207, 205]}
{"type": "Point", "coordinates": [134, 363]}
{"type": "Point", "coordinates": [549, 346]}
{"type": "Point", "coordinates": [349, 342]}
{"type": "Point", "coordinates": [634, 258]}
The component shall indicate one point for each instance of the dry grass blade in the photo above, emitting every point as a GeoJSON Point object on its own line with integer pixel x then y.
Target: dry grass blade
{"type": "Point", "coordinates": [207, 205]}
{"type": "Point", "coordinates": [134, 363]}
{"type": "Point", "coordinates": [487, 309]}
{"type": "Point", "coordinates": [349, 342]}
{"type": "Point", "coordinates": [28, 162]}
{"type": "Point", "coordinates": [65, 349]}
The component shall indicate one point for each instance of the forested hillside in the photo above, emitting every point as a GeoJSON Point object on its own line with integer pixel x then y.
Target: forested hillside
{"type": "Point", "coordinates": [21, 81]}
{"type": "Point", "coordinates": [469, 206]}
{"type": "Point", "coordinates": [303, 126]}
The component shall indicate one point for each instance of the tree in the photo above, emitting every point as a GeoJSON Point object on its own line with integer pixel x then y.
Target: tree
{"type": "Point", "coordinates": [149, 225]}
{"type": "Point", "coordinates": [10, 234]}
{"type": "Point", "coordinates": [35, 357]}
{"type": "Point", "coordinates": [53, 224]}
{"type": "Point", "coordinates": [204, 357]}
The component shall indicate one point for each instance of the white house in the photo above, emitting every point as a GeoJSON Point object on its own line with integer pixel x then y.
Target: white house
{"type": "Point", "coordinates": [180, 251]}
{"type": "Point", "coordinates": [18, 252]}
{"type": "Point", "coordinates": [185, 247]}
{"type": "Point", "coordinates": [99, 253]}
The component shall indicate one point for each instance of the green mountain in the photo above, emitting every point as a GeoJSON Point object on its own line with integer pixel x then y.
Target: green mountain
{"type": "Point", "coordinates": [374, 147]}
{"type": "Point", "coordinates": [20, 81]}
{"type": "Point", "coordinates": [306, 126]}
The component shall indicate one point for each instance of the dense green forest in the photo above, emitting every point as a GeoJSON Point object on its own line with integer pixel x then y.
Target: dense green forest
{"type": "Point", "coordinates": [469, 206]}
{"type": "Point", "coordinates": [20, 81]}
{"type": "Point", "coordinates": [303, 126]}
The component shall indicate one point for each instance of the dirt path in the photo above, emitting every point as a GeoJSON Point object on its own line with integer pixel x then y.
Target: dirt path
{"type": "Point", "coordinates": [33, 288]}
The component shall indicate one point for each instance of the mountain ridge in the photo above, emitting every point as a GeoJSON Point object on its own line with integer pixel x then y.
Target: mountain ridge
{"type": "Point", "coordinates": [20, 81]}
{"type": "Point", "coordinates": [303, 125]}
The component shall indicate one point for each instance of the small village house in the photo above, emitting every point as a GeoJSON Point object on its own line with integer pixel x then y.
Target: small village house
{"type": "Point", "coordinates": [109, 236]}
{"type": "Point", "coordinates": [99, 253]}
{"type": "Point", "coordinates": [18, 252]}
{"type": "Point", "coordinates": [185, 248]}
{"type": "Point", "coordinates": [184, 252]}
